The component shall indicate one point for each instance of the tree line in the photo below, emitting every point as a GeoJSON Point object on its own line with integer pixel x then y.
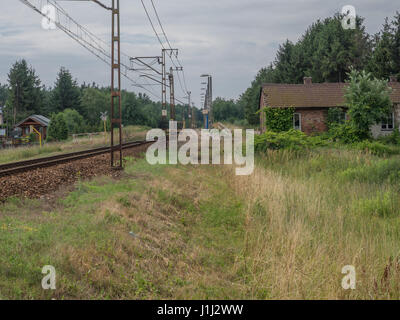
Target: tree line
{"type": "Point", "coordinates": [327, 53]}
{"type": "Point", "coordinates": [80, 106]}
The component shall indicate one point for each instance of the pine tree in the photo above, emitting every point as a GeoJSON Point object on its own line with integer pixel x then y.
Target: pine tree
{"type": "Point", "coordinates": [396, 45]}
{"type": "Point", "coordinates": [25, 92]}
{"type": "Point", "coordinates": [66, 93]}
{"type": "Point", "coordinates": [58, 130]}
{"type": "Point", "coordinates": [381, 64]}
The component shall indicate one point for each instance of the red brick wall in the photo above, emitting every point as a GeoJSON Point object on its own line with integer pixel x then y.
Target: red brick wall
{"type": "Point", "coordinates": [313, 120]}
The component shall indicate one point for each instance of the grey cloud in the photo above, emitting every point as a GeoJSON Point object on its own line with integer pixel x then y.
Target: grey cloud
{"type": "Point", "coordinates": [231, 39]}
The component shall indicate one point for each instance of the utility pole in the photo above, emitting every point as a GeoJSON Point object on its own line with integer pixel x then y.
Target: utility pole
{"type": "Point", "coordinates": [207, 112]}
{"type": "Point", "coordinates": [172, 91]}
{"type": "Point", "coordinates": [164, 88]}
{"type": "Point", "coordinates": [16, 105]}
{"type": "Point", "coordinates": [193, 116]}
{"type": "Point", "coordinates": [189, 109]}
{"type": "Point", "coordinates": [116, 115]}
{"type": "Point", "coordinates": [172, 95]}
{"type": "Point", "coordinates": [91, 43]}
{"type": "Point", "coordinates": [210, 94]}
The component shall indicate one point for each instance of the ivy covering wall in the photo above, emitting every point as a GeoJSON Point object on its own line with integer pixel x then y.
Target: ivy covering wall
{"type": "Point", "coordinates": [279, 119]}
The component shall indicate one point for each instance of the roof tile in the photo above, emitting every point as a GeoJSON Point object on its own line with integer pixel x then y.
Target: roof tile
{"type": "Point", "coordinates": [312, 95]}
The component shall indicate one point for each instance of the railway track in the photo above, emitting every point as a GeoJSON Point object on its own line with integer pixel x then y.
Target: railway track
{"type": "Point", "coordinates": [27, 165]}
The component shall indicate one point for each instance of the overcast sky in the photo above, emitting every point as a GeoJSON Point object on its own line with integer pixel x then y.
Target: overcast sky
{"type": "Point", "coordinates": [230, 39]}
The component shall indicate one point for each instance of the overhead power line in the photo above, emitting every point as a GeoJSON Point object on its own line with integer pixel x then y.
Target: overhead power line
{"type": "Point", "coordinates": [95, 45]}
{"type": "Point", "coordinates": [177, 64]}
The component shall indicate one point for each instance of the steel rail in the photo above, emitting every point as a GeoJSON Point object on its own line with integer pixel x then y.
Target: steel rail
{"type": "Point", "coordinates": [23, 166]}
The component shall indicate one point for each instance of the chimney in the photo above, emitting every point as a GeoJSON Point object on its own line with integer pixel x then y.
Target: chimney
{"type": "Point", "coordinates": [393, 79]}
{"type": "Point", "coordinates": [307, 80]}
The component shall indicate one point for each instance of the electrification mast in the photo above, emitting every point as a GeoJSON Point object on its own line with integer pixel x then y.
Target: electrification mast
{"type": "Point", "coordinates": [116, 115]}
{"type": "Point", "coordinates": [172, 95]}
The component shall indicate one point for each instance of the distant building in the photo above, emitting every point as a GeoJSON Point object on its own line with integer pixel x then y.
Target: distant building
{"type": "Point", "coordinates": [312, 101]}
{"type": "Point", "coordinates": [40, 123]}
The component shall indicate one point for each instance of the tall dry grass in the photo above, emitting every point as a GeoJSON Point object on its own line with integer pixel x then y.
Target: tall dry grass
{"type": "Point", "coordinates": [303, 227]}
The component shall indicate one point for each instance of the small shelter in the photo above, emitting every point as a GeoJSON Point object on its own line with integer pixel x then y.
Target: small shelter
{"type": "Point", "coordinates": [38, 122]}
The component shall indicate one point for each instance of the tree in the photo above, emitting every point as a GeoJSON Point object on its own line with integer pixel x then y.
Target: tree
{"type": "Point", "coordinates": [227, 110]}
{"type": "Point", "coordinates": [74, 121]}
{"type": "Point", "coordinates": [66, 93]}
{"type": "Point", "coordinates": [3, 94]}
{"type": "Point", "coordinates": [285, 70]}
{"type": "Point", "coordinates": [326, 52]}
{"type": "Point", "coordinates": [25, 92]}
{"type": "Point", "coordinates": [132, 109]}
{"type": "Point", "coordinates": [58, 130]}
{"type": "Point", "coordinates": [381, 64]}
{"type": "Point", "coordinates": [336, 50]}
{"type": "Point", "coordinates": [251, 98]}
{"type": "Point", "coordinates": [368, 100]}
{"type": "Point", "coordinates": [396, 44]}
{"type": "Point", "coordinates": [95, 101]}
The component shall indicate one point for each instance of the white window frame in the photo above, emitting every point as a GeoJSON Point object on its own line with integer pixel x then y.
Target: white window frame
{"type": "Point", "coordinates": [294, 121]}
{"type": "Point", "coordinates": [387, 124]}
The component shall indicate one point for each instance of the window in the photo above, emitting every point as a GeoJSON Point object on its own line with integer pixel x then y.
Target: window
{"type": "Point", "coordinates": [388, 123]}
{"type": "Point", "coordinates": [343, 117]}
{"type": "Point", "coordinates": [297, 121]}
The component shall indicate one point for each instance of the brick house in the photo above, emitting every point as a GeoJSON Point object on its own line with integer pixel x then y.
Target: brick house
{"type": "Point", "coordinates": [313, 100]}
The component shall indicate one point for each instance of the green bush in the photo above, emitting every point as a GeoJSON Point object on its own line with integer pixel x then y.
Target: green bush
{"type": "Point", "coordinates": [345, 133]}
{"type": "Point", "coordinates": [393, 139]}
{"type": "Point", "coordinates": [368, 100]}
{"type": "Point", "coordinates": [321, 140]}
{"type": "Point", "coordinates": [380, 172]}
{"type": "Point", "coordinates": [291, 139]}
{"type": "Point", "coordinates": [279, 119]}
{"type": "Point", "coordinates": [32, 137]}
{"type": "Point", "coordinates": [382, 205]}
{"type": "Point", "coordinates": [377, 148]}
{"type": "Point", "coordinates": [58, 130]}
{"type": "Point", "coordinates": [336, 116]}
{"type": "Point", "coordinates": [75, 122]}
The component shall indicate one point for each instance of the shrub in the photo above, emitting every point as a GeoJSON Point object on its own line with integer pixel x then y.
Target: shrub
{"type": "Point", "coordinates": [393, 138]}
{"type": "Point", "coordinates": [291, 139]}
{"type": "Point", "coordinates": [382, 205]}
{"type": "Point", "coordinates": [368, 100]}
{"type": "Point", "coordinates": [32, 137]}
{"type": "Point", "coordinates": [279, 119]}
{"type": "Point", "coordinates": [377, 148]}
{"type": "Point", "coordinates": [345, 133]}
{"type": "Point", "coordinates": [380, 172]}
{"type": "Point", "coordinates": [58, 130]}
{"type": "Point", "coordinates": [336, 116]}
{"type": "Point", "coordinates": [74, 121]}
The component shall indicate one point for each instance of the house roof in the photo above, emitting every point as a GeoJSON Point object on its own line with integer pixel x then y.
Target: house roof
{"type": "Point", "coordinates": [313, 95]}
{"type": "Point", "coordinates": [38, 118]}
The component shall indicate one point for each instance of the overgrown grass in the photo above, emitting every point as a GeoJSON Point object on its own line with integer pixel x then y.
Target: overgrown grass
{"type": "Point", "coordinates": [183, 232]}
{"type": "Point", "coordinates": [160, 232]}
{"type": "Point", "coordinates": [311, 213]}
